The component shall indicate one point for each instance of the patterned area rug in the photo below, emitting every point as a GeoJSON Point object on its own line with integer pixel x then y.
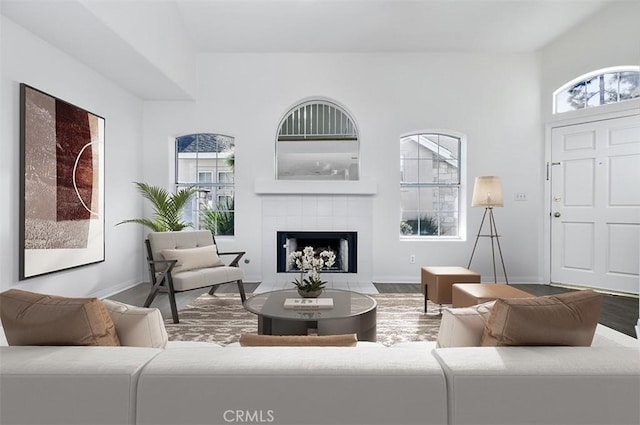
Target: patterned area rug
{"type": "Point", "coordinates": [220, 318]}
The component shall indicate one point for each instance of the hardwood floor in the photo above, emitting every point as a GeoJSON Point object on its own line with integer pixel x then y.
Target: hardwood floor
{"type": "Point", "coordinates": [137, 295]}
{"type": "Point", "coordinates": [618, 312]}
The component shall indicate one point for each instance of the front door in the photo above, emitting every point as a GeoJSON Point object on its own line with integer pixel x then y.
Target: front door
{"type": "Point", "coordinates": [595, 204]}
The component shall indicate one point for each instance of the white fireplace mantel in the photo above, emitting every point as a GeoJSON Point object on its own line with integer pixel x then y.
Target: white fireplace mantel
{"type": "Point", "coordinates": [315, 187]}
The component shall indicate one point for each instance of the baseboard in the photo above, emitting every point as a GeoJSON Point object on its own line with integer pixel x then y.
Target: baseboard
{"type": "Point", "coordinates": [112, 290]}
{"type": "Point", "coordinates": [396, 281]}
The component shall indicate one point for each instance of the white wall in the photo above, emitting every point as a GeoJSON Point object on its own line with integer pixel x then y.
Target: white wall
{"type": "Point", "coordinates": [493, 99]}
{"type": "Point", "coordinates": [28, 59]}
{"type": "Point", "coordinates": [609, 38]}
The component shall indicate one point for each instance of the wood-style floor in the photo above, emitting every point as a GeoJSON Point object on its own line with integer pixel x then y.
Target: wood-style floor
{"type": "Point", "coordinates": [618, 312]}
{"type": "Point", "coordinates": [137, 295]}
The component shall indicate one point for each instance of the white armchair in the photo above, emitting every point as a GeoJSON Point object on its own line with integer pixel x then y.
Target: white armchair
{"type": "Point", "coordinates": [182, 261]}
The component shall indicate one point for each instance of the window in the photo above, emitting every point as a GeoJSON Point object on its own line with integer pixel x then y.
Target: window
{"type": "Point", "coordinates": [205, 177]}
{"type": "Point", "coordinates": [225, 176]}
{"type": "Point", "coordinates": [430, 185]}
{"type": "Point", "coordinates": [317, 140]}
{"type": "Point", "coordinates": [207, 161]}
{"type": "Point", "coordinates": [598, 88]}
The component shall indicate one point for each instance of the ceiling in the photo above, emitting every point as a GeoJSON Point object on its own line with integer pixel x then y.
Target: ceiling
{"type": "Point", "coordinates": [379, 25]}
{"type": "Point", "coordinates": [160, 39]}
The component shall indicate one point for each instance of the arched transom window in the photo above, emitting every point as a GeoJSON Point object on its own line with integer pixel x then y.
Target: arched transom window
{"type": "Point", "coordinates": [317, 140]}
{"type": "Point", "coordinates": [610, 85]}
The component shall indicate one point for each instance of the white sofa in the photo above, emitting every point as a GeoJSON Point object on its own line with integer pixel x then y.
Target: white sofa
{"type": "Point", "coordinates": [542, 385]}
{"type": "Point", "coordinates": [70, 385]}
{"type": "Point", "coordinates": [411, 383]}
{"type": "Point", "coordinates": [293, 385]}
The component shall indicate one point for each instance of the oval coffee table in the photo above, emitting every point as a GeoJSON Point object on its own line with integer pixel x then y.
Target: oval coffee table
{"type": "Point", "coordinates": [352, 312]}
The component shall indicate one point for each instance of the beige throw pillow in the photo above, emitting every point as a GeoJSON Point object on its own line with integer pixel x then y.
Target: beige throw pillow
{"type": "Point", "coordinates": [463, 327]}
{"type": "Point", "coordinates": [252, 340]}
{"type": "Point", "coordinates": [137, 326]}
{"type": "Point", "coordinates": [565, 319]}
{"type": "Point", "coordinates": [193, 258]}
{"type": "Point", "coordinates": [30, 318]}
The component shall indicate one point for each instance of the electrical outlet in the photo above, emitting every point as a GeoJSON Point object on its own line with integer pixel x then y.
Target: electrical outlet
{"type": "Point", "coordinates": [520, 197]}
{"type": "Point", "coordinates": [412, 259]}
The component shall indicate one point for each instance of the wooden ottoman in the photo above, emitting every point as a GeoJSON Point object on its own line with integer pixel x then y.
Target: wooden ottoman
{"type": "Point", "coordinates": [468, 294]}
{"type": "Point", "coordinates": [436, 282]}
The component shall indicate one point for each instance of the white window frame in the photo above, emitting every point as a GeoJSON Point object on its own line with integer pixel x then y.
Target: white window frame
{"type": "Point", "coordinates": [224, 196]}
{"type": "Point", "coordinates": [462, 188]}
{"type": "Point", "coordinates": [220, 173]}
{"type": "Point", "coordinates": [200, 173]}
{"type": "Point", "coordinates": [225, 189]}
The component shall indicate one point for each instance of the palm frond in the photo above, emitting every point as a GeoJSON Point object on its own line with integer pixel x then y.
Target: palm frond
{"type": "Point", "coordinates": [154, 225]}
{"type": "Point", "coordinates": [167, 207]}
{"type": "Point", "coordinates": [219, 220]}
{"type": "Point", "coordinates": [158, 196]}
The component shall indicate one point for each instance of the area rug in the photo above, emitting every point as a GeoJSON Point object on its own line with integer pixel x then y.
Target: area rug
{"type": "Point", "coordinates": [220, 318]}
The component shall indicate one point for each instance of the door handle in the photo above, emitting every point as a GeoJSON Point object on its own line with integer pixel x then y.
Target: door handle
{"type": "Point", "coordinates": [557, 214]}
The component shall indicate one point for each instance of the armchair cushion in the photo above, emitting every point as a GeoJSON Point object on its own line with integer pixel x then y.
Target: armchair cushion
{"type": "Point", "coordinates": [193, 258]}
{"type": "Point", "coordinates": [199, 278]}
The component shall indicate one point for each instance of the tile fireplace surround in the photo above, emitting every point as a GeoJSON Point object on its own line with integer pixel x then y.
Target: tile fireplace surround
{"type": "Point", "coordinates": [319, 213]}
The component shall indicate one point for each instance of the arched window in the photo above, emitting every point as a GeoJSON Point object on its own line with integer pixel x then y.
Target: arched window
{"type": "Point", "coordinates": [317, 140]}
{"type": "Point", "coordinates": [207, 162]}
{"type": "Point", "coordinates": [610, 85]}
{"type": "Point", "coordinates": [430, 184]}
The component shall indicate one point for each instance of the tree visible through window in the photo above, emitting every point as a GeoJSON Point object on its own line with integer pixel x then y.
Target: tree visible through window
{"type": "Point", "coordinates": [429, 185]}
{"type": "Point", "coordinates": [598, 88]}
{"type": "Point", "coordinates": [207, 161]}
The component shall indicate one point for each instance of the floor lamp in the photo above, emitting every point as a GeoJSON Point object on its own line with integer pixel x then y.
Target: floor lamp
{"type": "Point", "coordinates": [487, 193]}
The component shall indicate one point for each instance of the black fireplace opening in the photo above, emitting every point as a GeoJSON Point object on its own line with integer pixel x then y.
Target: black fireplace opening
{"type": "Point", "coordinates": [343, 244]}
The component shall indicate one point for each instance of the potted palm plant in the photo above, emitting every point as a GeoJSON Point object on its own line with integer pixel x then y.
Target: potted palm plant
{"type": "Point", "coordinates": [167, 208]}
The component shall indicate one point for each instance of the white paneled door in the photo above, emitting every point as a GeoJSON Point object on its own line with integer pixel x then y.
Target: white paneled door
{"type": "Point", "coordinates": [595, 204]}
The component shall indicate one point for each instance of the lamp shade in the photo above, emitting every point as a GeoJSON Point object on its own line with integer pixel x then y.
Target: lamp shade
{"type": "Point", "coordinates": [487, 192]}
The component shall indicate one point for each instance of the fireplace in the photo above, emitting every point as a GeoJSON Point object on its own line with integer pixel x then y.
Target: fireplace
{"type": "Point", "coordinates": [344, 244]}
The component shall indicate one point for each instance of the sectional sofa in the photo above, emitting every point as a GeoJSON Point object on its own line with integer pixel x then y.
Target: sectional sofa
{"type": "Point", "coordinates": [88, 361]}
{"type": "Point", "coordinates": [410, 383]}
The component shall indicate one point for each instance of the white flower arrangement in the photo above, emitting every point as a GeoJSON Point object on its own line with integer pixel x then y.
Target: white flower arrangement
{"type": "Point", "coordinates": [307, 261]}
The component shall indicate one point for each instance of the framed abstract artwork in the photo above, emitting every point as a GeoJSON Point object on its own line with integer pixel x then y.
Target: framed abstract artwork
{"type": "Point", "coordinates": [61, 185]}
